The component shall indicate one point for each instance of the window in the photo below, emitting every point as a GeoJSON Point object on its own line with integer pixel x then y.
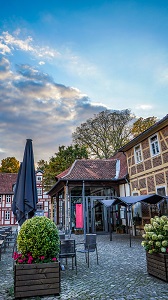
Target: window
{"type": "Point", "coordinates": [39, 206]}
{"type": "Point", "coordinates": [0, 198]}
{"type": "Point", "coordinates": [8, 198]}
{"type": "Point", "coordinates": [137, 210]}
{"type": "Point", "coordinates": [138, 154]}
{"type": "Point", "coordinates": [161, 191]}
{"type": "Point", "coordinates": [154, 145]}
{"type": "Point", "coordinates": [7, 215]}
{"type": "Point", "coordinates": [39, 178]}
{"type": "Point", "coordinates": [39, 191]}
{"type": "Point", "coordinates": [135, 194]}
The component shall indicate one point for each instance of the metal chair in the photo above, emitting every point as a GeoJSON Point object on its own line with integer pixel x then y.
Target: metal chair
{"type": "Point", "coordinates": [90, 245]}
{"type": "Point", "coordinates": [68, 250]}
{"type": "Point", "coordinates": [62, 236]}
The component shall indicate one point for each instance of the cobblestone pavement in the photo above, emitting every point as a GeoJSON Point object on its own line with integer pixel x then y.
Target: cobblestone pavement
{"type": "Point", "coordinates": [120, 275]}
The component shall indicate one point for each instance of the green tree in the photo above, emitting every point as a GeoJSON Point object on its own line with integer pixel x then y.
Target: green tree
{"type": "Point", "coordinates": [62, 160]}
{"type": "Point", "coordinates": [9, 165]}
{"type": "Point", "coordinates": [142, 124]}
{"type": "Point", "coordinates": [104, 134]}
{"type": "Point", "coordinates": [41, 164]}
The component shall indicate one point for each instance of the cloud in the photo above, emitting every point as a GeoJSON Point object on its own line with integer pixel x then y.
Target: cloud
{"type": "Point", "coordinates": [4, 68]}
{"type": "Point", "coordinates": [41, 63]}
{"type": "Point", "coordinates": [34, 106]}
{"type": "Point", "coordinates": [9, 43]}
{"type": "Point", "coordinates": [144, 107]}
{"type": "Point", "coordinates": [71, 63]}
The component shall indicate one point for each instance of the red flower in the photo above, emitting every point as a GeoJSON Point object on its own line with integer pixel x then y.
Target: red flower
{"type": "Point", "coordinates": [20, 261]}
{"type": "Point", "coordinates": [54, 259]}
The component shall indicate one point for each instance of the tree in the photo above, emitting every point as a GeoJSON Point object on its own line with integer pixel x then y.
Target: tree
{"type": "Point", "coordinates": [142, 124]}
{"type": "Point", "coordinates": [9, 165]}
{"type": "Point", "coordinates": [62, 160]}
{"type": "Point", "coordinates": [104, 134]}
{"type": "Point", "coordinates": [41, 164]}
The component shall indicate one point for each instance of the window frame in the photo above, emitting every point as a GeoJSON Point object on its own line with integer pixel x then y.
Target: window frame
{"type": "Point", "coordinates": [161, 187]}
{"type": "Point", "coordinates": [39, 191]}
{"type": "Point", "coordinates": [156, 145]}
{"type": "Point", "coordinates": [39, 178]}
{"type": "Point", "coordinates": [7, 215]}
{"type": "Point", "coordinates": [8, 198]}
{"type": "Point", "coordinates": [136, 154]}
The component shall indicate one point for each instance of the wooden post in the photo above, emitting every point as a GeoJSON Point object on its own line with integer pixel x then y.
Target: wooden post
{"type": "Point", "coordinates": [51, 208]}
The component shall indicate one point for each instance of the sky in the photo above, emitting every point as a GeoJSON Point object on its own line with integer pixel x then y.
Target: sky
{"type": "Point", "coordinates": [63, 62]}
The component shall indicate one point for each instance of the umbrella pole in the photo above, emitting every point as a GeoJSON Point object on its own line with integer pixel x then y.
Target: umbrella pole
{"type": "Point", "coordinates": [130, 224]}
{"type": "Point", "coordinates": [110, 230]}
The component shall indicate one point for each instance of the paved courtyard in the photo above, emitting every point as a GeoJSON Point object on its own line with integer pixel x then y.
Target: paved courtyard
{"type": "Point", "coordinates": [120, 275]}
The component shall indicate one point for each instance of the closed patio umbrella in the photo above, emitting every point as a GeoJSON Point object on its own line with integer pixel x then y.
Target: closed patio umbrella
{"type": "Point", "coordinates": [25, 196]}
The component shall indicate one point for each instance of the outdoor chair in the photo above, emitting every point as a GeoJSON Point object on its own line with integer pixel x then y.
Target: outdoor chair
{"type": "Point", "coordinates": [90, 245]}
{"type": "Point", "coordinates": [68, 250]}
{"type": "Point", "coordinates": [62, 236]}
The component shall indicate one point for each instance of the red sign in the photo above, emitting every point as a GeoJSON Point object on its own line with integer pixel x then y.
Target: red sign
{"type": "Point", "coordinates": [79, 216]}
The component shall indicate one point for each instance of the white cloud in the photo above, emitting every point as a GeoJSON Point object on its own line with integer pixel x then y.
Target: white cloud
{"type": "Point", "coordinates": [33, 105]}
{"type": "Point", "coordinates": [144, 107]}
{"type": "Point", "coordinates": [13, 42]}
{"type": "Point", "coordinates": [4, 49]}
{"type": "Point", "coordinates": [41, 63]}
{"type": "Point", "coordinates": [66, 59]}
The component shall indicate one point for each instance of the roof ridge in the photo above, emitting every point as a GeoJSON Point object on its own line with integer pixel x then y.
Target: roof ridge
{"type": "Point", "coordinates": [71, 168]}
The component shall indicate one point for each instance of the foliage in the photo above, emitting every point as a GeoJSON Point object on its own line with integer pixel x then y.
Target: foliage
{"type": "Point", "coordinates": [10, 291]}
{"type": "Point", "coordinates": [104, 134]}
{"type": "Point", "coordinates": [9, 165]}
{"type": "Point", "coordinates": [62, 160]}
{"type": "Point", "coordinates": [156, 235]}
{"type": "Point", "coordinates": [41, 164]}
{"type": "Point", "coordinates": [142, 124]}
{"type": "Point", "coordinates": [38, 241]}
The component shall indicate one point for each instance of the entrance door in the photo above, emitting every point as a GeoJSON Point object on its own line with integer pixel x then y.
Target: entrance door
{"type": "Point", "coordinates": [97, 216]}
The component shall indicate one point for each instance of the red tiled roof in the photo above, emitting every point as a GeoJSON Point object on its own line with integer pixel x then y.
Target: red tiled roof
{"type": "Point", "coordinates": [88, 169]}
{"type": "Point", "coordinates": [7, 180]}
{"type": "Point", "coordinates": [63, 173]}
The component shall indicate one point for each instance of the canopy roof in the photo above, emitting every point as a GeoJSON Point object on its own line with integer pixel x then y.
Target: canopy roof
{"type": "Point", "coordinates": [131, 200]}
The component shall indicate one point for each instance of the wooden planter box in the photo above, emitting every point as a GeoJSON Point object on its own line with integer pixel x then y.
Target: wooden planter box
{"type": "Point", "coordinates": [157, 265]}
{"type": "Point", "coordinates": [32, 280]}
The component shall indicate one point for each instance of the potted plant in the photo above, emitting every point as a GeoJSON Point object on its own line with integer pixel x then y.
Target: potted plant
{"type": "Point", "coordinates": [36, 267]}
{"type": "Point", "coordinates": [156, 246]}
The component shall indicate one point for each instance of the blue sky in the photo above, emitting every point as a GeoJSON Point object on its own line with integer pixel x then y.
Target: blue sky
{"type": "Point", "coordinates": [61, 62]}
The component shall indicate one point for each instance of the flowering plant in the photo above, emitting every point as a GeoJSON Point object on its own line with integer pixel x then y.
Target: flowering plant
{"type": "Point", "coordinates": [156, 235]}
{"type": "Point", "coordinates": [29, 259]}
{"type": "Point", "coordinates": [37, 241]}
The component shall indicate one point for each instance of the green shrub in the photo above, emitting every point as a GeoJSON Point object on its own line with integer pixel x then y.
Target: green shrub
{"type": "Point", "coordinates": [38, 241]}
{"type": "Point", "coordinates": [156, 235]}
